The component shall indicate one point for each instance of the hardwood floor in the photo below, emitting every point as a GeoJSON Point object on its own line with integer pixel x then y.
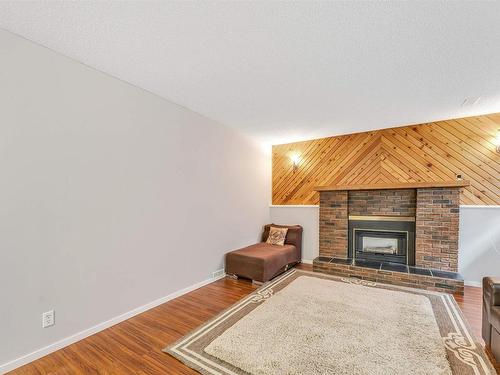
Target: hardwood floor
{"type": "Point", "coordinates": [134, 346]}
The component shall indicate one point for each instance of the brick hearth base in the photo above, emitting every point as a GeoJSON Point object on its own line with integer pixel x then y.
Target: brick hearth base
{"type": "Point", "coordinates": [421, 278]}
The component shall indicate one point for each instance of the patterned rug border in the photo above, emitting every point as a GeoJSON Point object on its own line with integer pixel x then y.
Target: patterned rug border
{"type": "Point", "coordinates": [461, 345]}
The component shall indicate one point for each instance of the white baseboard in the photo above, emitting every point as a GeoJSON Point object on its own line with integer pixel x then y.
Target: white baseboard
{"type": "Point", "coordinates": [9, 366]}
{"type": "Point", "coordinates": [307, 261]}
{"type": "Point", "coordinates": [473, 283]}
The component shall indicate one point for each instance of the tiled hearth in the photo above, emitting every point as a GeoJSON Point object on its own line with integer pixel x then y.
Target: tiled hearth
{"type": "Point", "coordinates": [431, 241]}
{"type": "Point", "coordinates": [391, 273]}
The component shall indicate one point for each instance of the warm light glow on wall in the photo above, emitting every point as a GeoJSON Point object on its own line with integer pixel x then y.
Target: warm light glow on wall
{"type": "Point", "coordinates": [498, 140]}
{"type": "Point", "coordinates": [295, 159]}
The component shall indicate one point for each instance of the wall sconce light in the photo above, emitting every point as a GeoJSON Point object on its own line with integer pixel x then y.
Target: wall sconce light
{"type": "Point", "coordinates": [295, 159]}
{"type": "Point", "coordinates": [497, 141]}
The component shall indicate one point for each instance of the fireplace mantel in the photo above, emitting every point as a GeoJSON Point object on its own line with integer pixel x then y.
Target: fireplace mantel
{"type": "Point", "coordinates": [411, 185]}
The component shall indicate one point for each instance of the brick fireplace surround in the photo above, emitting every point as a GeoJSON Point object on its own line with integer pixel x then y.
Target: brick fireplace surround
{"type": "Point", "coordinates": [436, 213]}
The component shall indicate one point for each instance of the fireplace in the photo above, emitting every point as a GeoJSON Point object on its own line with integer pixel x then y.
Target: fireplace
{"type": "Point", "coordinates": [382, 239]}
{"type": "Point", "coordinates": [402, 234]}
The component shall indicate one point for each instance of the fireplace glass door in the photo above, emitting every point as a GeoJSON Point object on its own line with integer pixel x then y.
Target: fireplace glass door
{"type": "Point", "coordinates": [382, 239]}
{"type": "Point", "coordinates": [381, 245]}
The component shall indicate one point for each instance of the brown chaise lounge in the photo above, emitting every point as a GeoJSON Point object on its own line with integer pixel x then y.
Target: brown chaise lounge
{"type": "Point", "coordinates": [261, 262]}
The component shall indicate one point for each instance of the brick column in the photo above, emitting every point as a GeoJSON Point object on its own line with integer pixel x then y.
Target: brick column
{"type": "Point", "coordinates": [437, 228]}
{"type": "Point", "coordinates": [333, 221]}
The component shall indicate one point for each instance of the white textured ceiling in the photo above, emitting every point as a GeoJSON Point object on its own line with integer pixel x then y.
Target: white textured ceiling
{"type": "Point", "coordinates": [286, 71]}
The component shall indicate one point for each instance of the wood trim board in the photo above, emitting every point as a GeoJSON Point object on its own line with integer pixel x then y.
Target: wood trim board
{"type": "Point", "coordinates": [399, 185]}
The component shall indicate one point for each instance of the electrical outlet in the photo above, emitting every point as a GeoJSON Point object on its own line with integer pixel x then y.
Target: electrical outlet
{"type": "Point", "coordinates": [48, 319]}
{"type": "Point", "coordinates": [218, 274]}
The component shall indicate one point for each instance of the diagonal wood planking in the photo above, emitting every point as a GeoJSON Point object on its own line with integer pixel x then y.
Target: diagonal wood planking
{"type": "Point", "coordinates": [436, 151]}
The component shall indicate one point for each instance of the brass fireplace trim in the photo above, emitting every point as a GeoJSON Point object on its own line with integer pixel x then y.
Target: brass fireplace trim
{"type": "Point", "coordinates": [382, 218]}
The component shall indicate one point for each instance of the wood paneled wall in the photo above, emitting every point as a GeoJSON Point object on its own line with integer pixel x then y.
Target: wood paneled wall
{"type": "Point", "coordinates": [436, 151]}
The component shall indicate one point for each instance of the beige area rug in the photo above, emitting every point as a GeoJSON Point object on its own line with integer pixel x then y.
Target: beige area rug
{"type": "Point", "coordinates": [310, 323]}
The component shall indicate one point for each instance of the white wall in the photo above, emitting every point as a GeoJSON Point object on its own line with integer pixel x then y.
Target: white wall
{"type": "Point", "coordinates": [479, 243]}
{"type": "Point", "coordinates": [479, 239]}
{"type": "Point", "coordinates": [110, 197]}
{"type": "Point", "coordinates": [308, 217]}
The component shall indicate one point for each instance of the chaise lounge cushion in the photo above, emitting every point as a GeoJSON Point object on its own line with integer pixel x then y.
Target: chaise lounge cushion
{"type": "Point", "coordinates": [277, 236]}
{"type": "Point", "coordinates": [261, 261]}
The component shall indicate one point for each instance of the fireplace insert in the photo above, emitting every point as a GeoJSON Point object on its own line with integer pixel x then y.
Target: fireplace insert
{"type": "Point", "coordinates": [382, 239]}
